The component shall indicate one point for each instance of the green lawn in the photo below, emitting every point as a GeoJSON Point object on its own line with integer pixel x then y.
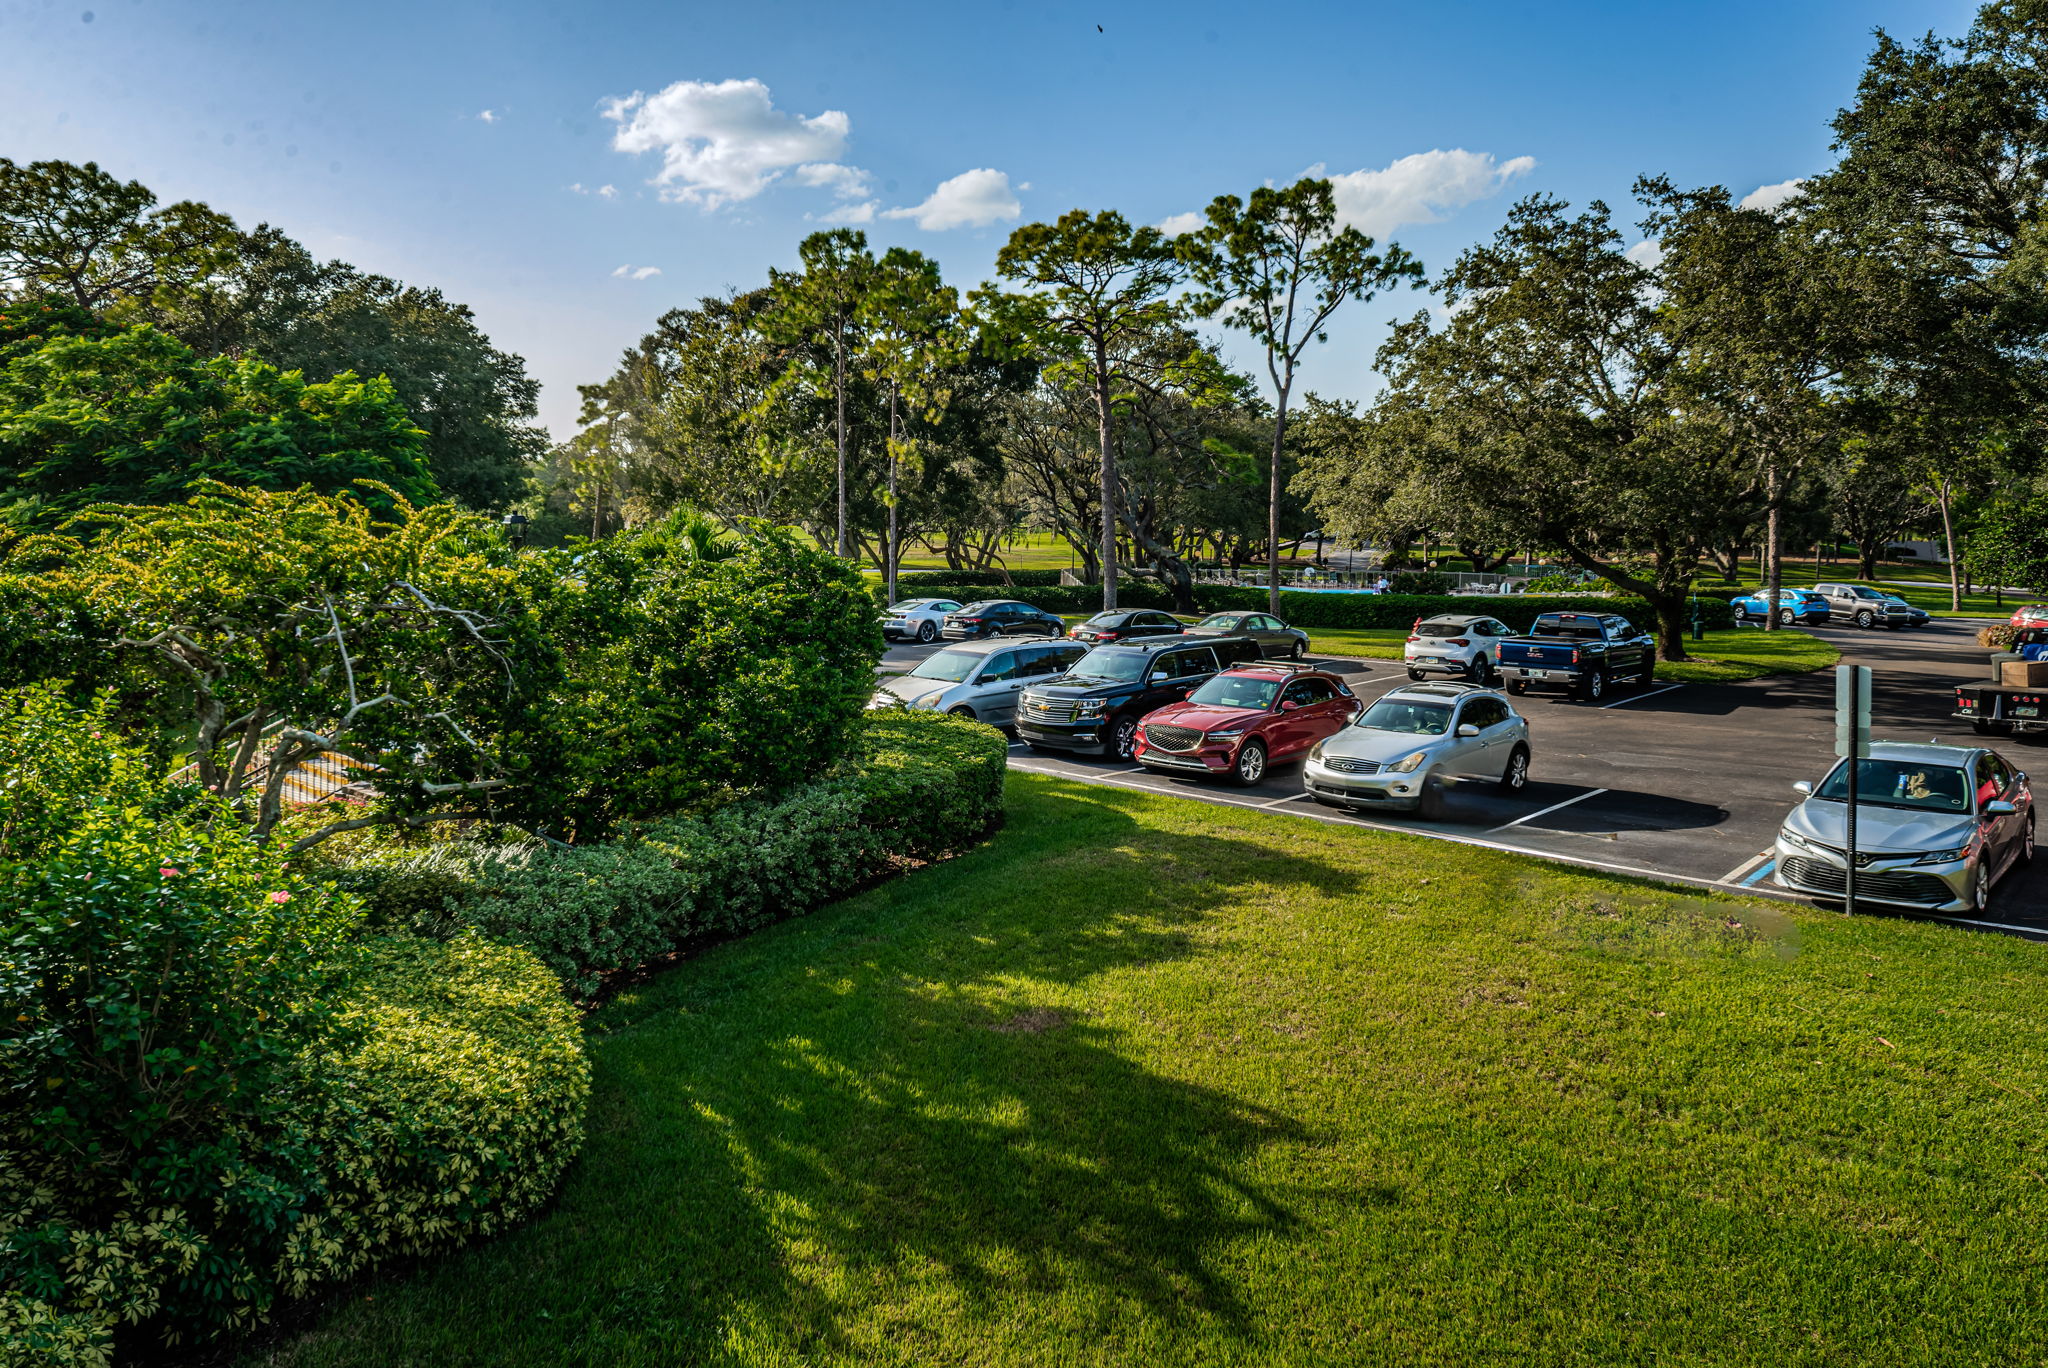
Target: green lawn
{"type": "Point", "coordinates": [1145, 1081]}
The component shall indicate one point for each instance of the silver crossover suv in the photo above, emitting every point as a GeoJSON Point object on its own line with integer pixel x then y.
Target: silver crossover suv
{"type": "Point", "coordinates": [1935, 827]}
{"type": "Point", "coordinates": [1387, 753]}
{"type": "Point", "coordinates": [978, 679]}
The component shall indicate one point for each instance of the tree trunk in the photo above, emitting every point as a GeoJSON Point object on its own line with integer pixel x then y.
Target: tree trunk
{"type": "Point", "coordinates": [1866, 560]}
{"type": "Point", "coordinates": [1774, 570]}
{"type": "Point", "coordinates": [890, 549]}
{"type": "Point", "coordinates": [1109, 491]}
{"type": "Point", "coordinates": [1948, 543]}
{"type": "Point", "coordinates": [1273, 504]}
{"type": "Point", "coordinates": [1671, 627]}
{"type": "Point", "coordinates": [839, 427]}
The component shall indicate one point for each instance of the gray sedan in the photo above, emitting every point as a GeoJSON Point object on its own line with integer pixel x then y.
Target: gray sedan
{"type": "Point", "coordinates": [978, 679]}
{"type": "Point", "coordinates": [1387, 754]}
{"type": "Point", "coordinates": [1275, 637]}
{"type": "Point", "coordinates": [1935, 827]}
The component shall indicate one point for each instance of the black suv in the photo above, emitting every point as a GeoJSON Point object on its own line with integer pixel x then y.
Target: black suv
{"type": "Point", "coordinates": [1096, 704]}
{"type": "Point", "coordinates": [1001, 617]}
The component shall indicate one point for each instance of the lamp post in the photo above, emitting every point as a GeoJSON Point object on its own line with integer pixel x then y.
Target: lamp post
{"type": "Point", "coordinates": [515, 530]}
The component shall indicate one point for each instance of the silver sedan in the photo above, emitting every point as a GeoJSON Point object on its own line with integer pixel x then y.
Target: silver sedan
{"type": "Point", "coordinates": [1385, 757]}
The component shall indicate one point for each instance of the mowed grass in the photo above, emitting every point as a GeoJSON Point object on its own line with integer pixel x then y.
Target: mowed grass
{"type": "Point", "coordinates": [1145, 1081]}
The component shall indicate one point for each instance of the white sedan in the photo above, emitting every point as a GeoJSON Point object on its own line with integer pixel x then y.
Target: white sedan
{"type": "Point", "coordinates": [917, 619]}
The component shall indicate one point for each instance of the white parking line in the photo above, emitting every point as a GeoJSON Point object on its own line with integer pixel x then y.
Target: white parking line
{"type": "Point", "coordinates": [1295, 798]}
{"type": "Point", "coordinates": [1751, 863]}
{"type": "Point", "coordinates": [1637, 698]}
{"type": "Point", "coordinates": [1547, 811]}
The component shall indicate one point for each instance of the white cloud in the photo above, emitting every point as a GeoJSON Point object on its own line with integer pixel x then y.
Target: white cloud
{"type": "Point", "coordinates": [1173, 225]}
{"type": "Point", "coordinates": [972, 199]}
{"type": "Point", "coordinates": [864, 212]}
{"type": "Point", "coordinates": [1771, 198]}
{"type": "Point", "coordinates": [1425, 187]}
{"type": "Point", "coordinates": [1648, 254]}
{"type": "Point", "coordinates": [722, 141]}
{"type": "Point", "coordinates": [1023, 185]}
{"type": "Point", "coordinates": [847, 182]}
{"type": "Point", "coordinates": [489, 116]}
{"type": "Point", "coordinates": [576, 188]}
{"type": "Point", "coordinates": [607, 192]}
{"type": "Point", "coordinates": [636, 272]}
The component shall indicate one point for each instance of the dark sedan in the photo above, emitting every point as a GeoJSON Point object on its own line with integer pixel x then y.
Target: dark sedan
{"type": "Point", "coordinates": [1275, 637]}
{"type": "Point", "coordinates": [1126, 624]}
{"type": "Point", "coordinates": [1001, 617]}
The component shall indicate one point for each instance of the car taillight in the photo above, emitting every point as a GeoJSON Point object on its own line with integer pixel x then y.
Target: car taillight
{"type": "Point", "coordinates": [1575, 655]}
{"type": "Point", "coordinates": [1458, 641]}
{"type": "Point", "coordinates": [1105, 636]}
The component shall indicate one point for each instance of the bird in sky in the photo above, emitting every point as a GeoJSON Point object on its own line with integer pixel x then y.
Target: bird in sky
{"type": "Point", "coordinates": [1098, 28]}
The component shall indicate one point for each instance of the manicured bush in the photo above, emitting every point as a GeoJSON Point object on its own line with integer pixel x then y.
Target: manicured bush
{"type": "Point", "coordinates": [983, 579]}
{"type": "Point", "coordinates": [1998, 636]}
{"type": "Point", "coordinates": [921, 785]}
{"type": "Point", "coordinates": [210, 1095]}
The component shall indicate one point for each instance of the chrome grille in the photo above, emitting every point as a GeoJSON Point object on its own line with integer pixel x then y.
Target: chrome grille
{"type": "Point", "coordinates": [1344, 764]}
{"type": "Point", "coordinates": [1891, 886]}
{"type": "Point", "coordinates": [1040, 711]}
{"type": "Point", "coordinates": [1173, 738]}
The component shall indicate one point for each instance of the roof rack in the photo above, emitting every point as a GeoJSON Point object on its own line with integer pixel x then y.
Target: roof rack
{"type": "Point", "coordinates": [1284, 666]}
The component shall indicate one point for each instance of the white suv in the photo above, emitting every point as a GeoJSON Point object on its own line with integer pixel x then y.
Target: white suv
{"type": "Point", "coordinates": [1455, 644]}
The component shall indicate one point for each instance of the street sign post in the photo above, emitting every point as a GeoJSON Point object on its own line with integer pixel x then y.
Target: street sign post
{"type": "Point", "coordinates": [1852, 743]}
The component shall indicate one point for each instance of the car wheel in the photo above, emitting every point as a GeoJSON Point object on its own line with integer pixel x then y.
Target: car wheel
{"type": "Point", "coordinates": [1518, 687]}
{"type": "Point", "coordinates": [925, 633]}
{"type": "Point", "coordinates": [1300, 649]}
{"type": "Point", "coordinates": [1515, 777]}
{"type": "Point", "coordinates": [1480, 670]}
{"type": "Point", "coordinates": [1123, 738]}
{"type": "Point", "coordinates": [1415, 674]}
{"type": "Point", "coordinates": [962, 711]}
{"type": "Point", "coordinates": [1648, 676]}
{"type": "Point", "coordinates": [1786, 616]}
{"type": "Point", "coordinates": [1865, 618]}
{"type": "Point", "coordinates": [1594, 686]}
{"type": "Point", "coordinates": [1251, 763]}
{"type": "Point", "coordinates": [2026, 855]}
{"type": "Point", "coordinates": [1742, 615]}
{"type": "Point", "coordinates": [1980, 887]}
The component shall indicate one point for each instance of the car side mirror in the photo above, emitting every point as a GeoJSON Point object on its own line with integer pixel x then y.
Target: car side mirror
{"type": "Point", "coordinates": [1288, 705]}
{"type": "Point", "coordinates": [1802, 786]}
{"type": "Point", "coordinates": [1467, 729]}
{"type": "Point", "coordinates": [1998, 807]}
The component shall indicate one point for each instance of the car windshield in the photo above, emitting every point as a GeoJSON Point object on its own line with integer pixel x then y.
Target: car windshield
{"type": "Point", "coordinates": [1112, 665]}
{"type": "Point", "coordinates": [1400, 715]}
{"type": "Point", "coordinates": [1236, 691]}
{"type": "Point", "coordinates": [1557, 627]}
{"type": "Point", "coordinates": [1226, 621]}
{"type": "Point", "coordinates": [1106, 619]}
{"type": "Point", "coordinates": [1901, 784]}
{"type": "Point", "coordinates": [951, 666]}
{"type": "Point", "coordinates": [1443, 629]}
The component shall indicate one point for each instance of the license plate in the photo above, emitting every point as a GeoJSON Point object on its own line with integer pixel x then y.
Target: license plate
{"type": "Point", "coordinates": [2026, 712]}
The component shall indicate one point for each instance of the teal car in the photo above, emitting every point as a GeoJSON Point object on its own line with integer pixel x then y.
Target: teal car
{"type": "Point", "coordinates": [1794, 606]}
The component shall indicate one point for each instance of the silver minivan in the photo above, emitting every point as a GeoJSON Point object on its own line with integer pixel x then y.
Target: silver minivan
{"type": "Point", "coordinates": [978, 679]}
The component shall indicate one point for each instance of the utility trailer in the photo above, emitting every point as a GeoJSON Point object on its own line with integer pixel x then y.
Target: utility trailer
{"type": "Point", "coordinates": [2014, 700]}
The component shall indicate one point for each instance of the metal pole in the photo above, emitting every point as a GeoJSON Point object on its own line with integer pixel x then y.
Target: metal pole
{"type": "Point", "coordinates": [1855, 763]}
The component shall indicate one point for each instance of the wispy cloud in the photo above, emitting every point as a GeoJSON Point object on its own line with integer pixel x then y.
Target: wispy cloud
{"type": "Point", "coordinates": [636, 272]}
{"type": "Point", "coordinates": [725, 141]}
{"type": "Point", "coordinates": [972, 199]}
{"type": "Point", "coordinates": [489, 116]}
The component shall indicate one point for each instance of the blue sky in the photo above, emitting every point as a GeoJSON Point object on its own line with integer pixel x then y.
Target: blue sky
{"type": "Point", "coordinates": [362, 130]}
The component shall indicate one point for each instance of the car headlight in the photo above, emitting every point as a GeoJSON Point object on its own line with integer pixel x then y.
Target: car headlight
{"type": "Point", "coordinates": [1408, 764]}
{"type": "Point", "coordinates": [1090, 707]}
{"type": "Point", "coordinates": [1943, 856]}
{"type": "Point", "coordinates": [1315, 752]}
{"type": "Point", "coordinates": [1795, 840]}
{"type": "Point", "coordinates": [1230, 735]}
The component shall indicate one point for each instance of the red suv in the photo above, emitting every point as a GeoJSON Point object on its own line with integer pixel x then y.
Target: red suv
{"type": "Point", "coordinates": [1243, 720]}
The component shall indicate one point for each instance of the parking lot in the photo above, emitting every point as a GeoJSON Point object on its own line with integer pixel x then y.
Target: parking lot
{"type": "Point", "coordinates": [1685, 781]}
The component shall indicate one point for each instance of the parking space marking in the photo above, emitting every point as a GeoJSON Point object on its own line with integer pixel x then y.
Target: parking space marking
{"type": "Point", "coordinates": [1637, 698]}
{"type": "Point", "coordinates": [1761, 874]}
{"type": "Point", "coordinates": [1282, 802]}
{"type": "Point", "coordinates": [2037, 931]}
{"type": "Point", "coordinates": [1736, 873]}
{"type": "Point", "coordinates": [1589, 793]}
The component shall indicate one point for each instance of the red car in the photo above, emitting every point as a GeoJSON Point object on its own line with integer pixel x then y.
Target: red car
{"type": "Point", "coordinates": [1243, 720]}
{"type": "Point", "coordinates": [2033, 615]}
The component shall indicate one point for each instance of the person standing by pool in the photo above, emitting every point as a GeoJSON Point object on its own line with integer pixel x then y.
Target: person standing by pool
{"type": "Point", "coordinates": [1380, 585]}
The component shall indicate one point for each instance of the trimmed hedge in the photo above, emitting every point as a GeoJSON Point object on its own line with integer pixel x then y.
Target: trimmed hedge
{"type": "Point", "coordinates": [979, 579]}
{"type": "Point", "coordinates": [922, 785]}
{"type": "Point", "coordinates": [1354, 611]}
{"type": "Point", "coordinates": [444, 1104]}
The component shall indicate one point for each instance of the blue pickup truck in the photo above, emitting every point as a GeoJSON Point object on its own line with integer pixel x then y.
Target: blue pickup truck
{"type": "Point", "coordinates": [1582, 652]}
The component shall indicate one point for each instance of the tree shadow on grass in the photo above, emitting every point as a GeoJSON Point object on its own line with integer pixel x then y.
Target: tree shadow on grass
{"type": "Point", "coordinates": [895, 1122]}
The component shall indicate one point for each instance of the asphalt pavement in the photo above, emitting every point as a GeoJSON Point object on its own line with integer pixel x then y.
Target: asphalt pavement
{"type": "Point", "coordinates": [1686, 782]}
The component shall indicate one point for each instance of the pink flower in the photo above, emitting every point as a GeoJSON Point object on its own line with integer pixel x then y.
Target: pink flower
{"type": "Point", "coordinates": [280, 897]}
{"type": "Point", "coordinates": [168, 872]}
